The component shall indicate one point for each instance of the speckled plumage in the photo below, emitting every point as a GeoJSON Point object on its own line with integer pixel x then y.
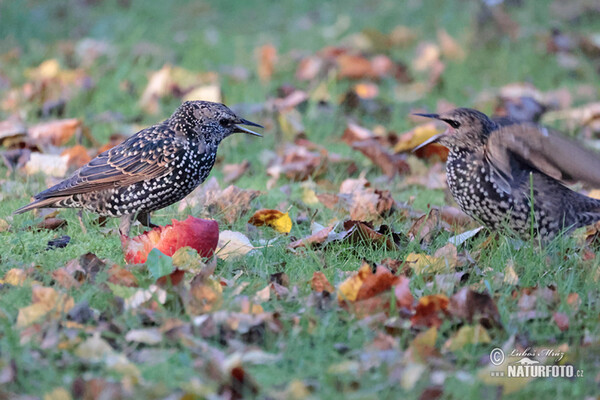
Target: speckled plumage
{"type": "Point", "coordinates": [494, 168]}
{"type": "Point", "coordinates": [152, 169]}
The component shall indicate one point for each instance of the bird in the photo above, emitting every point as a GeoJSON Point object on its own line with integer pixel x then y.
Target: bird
{"type": "Point", "coordinates": [502, 173]}
{"type": "Point", "coordinates": [150, 170]}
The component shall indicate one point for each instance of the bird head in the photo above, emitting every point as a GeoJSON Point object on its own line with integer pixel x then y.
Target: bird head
{"type": "Point", "coordinates": [466, 128]}
{"type": "Point", "coordinates": [211, 121]}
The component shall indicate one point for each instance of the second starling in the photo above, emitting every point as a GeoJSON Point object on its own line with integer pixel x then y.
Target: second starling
{"type": "Point", "coordinates": [152, 169]}
{"type": "Point", "coordinates": [503, 174]}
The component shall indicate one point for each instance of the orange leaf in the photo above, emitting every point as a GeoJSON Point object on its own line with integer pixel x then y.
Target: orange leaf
{"type": "Point", "coordinates": [77, 156]}
{"type": "Point", "coordinates": [320, 283]}
{"type": "Point", "coordinates": [429, 309]}
{"type": "Point", "coordinates": [267, 56]}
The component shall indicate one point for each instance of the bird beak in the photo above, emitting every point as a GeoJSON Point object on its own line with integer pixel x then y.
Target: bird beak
{"type": "Point", "coordinates": [432, 139]}
{"type": "Point", "coordinates": [242, 121]}
{"type": "Point", "coordinates": [431, 116]}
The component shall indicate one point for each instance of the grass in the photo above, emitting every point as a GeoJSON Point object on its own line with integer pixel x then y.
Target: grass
{"type": "Point", "coordinates": [315, 346]}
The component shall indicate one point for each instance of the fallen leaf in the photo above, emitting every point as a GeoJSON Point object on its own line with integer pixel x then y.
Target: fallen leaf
{"type": "Point", "coordinates": [49, 164]}
{"type": "Point", "coordinates": [425, 227]}
{"type": "Point", "coordinates": [430, 310]}
{"type": "Point", "coordinates": [58, 393]}
{"type": "Point", "coordinates": [233, 172]}
{"type": "Point", "coordinates": [320, 283]}
{"type": "Point", "coordinates": [45, 302]}
{"type": "Point", "coordinates": [267, 57]}
{"type": "Point", "coordinates": [277, 220]}
{"type": "Point", "coordinates": [55, 133]}
{"type": "Point", "coordinates": [391, 164]}
{"type": "Point", "coordinates": [206, 93]}
{"type": "Point", "coordinates": [233, 244]}
{"type": "Point", "coordinates": [422, 346]}
{"type": "Point", "coordinates": [313, 239]}
{"type": "Point", "coordinates": [472, 306]}
{"type": "Point", "coordinates": [561, 320]}
{"type": "Point", "coordinates": [206, 295]}
{"type": "Point", "coordinates": [231, 203]}
{"type": "Point", "coordinates": [449, 47]}
{"type": "Point", "coordinates": [14, 277]}
{"type": "Point", "coordinates": [467, 334]}
{"type": "Point", "coordinates": [149, 336]}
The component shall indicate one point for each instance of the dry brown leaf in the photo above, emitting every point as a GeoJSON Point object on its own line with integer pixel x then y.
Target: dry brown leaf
{"type": "Point", "coordinates": [472, 306]}
{"type": "Point", "coordinates": [233, 172]}
{"type": "Point", "coordinates": [315, 238]}
{"type": "Point", "coordinates": [329, 200]}
{"type": "Point", "coordinates": [56, 133]}
{"type": "Point", "coordinates": [391, 164]}
{"type": "Point", "coordinates": [356, 133]}
{"type": "Point", "coordinates": [232, 202]}
{"type": "Point", "coordinates": [425, 227]}
{"type": "Point", "coordinates": [358, 232]}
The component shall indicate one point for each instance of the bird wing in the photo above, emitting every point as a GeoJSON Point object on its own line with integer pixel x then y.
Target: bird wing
{"type": "Point", "coordinates": [542, 149]}
{"type": "Point", "coordinates": [144, 156]}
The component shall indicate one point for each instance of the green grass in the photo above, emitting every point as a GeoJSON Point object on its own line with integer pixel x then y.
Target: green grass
{"type": "Point", "coordinates": [208, 36]}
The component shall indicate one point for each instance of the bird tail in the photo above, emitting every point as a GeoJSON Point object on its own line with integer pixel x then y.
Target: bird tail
{"type": "Point", "coordinates": [41, 203]}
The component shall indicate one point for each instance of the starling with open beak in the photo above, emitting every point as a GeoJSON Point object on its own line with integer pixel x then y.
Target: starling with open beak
{"type": "Point", "coordinates": [503, 174]}
{"type": "Point", "coordinates": [152, 169]}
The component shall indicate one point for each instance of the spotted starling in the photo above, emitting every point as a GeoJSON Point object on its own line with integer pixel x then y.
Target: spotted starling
{"type": "Point", "coordinates": [152, 169]}
{"type": "Point", "coordinates": [502, 172]}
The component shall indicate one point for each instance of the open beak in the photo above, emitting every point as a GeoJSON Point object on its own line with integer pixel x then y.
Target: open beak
{"type": "Point", "coordinates": [239, 128]}
{"type": "Point", "coordinates": [432, 139]}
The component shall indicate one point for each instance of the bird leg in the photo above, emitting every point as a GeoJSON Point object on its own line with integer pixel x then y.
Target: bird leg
{"type": "Point", "coordinates": [144, 218]}
{"type": "Point", "coordinates": [80, 218]}
{"type": "Point", "coordinates": [125, 224]}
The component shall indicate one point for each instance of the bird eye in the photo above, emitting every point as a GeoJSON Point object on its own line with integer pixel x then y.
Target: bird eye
{"type": "Point", "coordinates": [225, 123]}
{"type": "Point", "coordinates": [454, 124]}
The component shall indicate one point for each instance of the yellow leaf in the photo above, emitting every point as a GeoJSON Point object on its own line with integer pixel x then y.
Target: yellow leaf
{"type": "Point", "coordinates": [94, 349]}
{"type": "Point", "coordinates": [30, 314]}
{"type": "Point", "coordinates": [348, 290]}
{"type": "Point", "coordinates": [58, 393]}
{"type": "Point", "coordinates": [45, 301]}
{"type": "Point", "coordinates": [418, 135]}
{"type": "Point", "coordinates": [309, 196]}
{"type": "Point", "coordinates": [423, 345]}
{"type": "Point", "coordinates": [422, 263]}
{"type": "Point", "coordinates": [4, 225]}
{"type": "Point", "coordinates": [277, 220]}
{"type": "Point", "coordinates": [467, 335]}
{"type": "Point", "coordinates": [14, 277]}
{"type": "Point", "coordinates": [509, 384]}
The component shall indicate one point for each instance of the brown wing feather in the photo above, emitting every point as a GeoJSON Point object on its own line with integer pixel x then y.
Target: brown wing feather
{"type": "Point", "coordinates": [543, 149]}
{"type": "Point", "coordinates": [137, 159]}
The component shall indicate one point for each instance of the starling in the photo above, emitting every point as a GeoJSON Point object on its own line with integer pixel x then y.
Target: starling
{"type": "Point", "coordinates": [152, 169]}
{"type": "Point", "coordinates": [501, 172]}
